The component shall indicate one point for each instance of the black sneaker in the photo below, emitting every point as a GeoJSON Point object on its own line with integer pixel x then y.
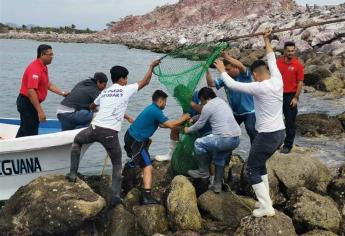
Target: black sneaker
{"type": "Point", "coordinates": [285, 150]}
{"type": "Point", "coordinates": [147, 199]}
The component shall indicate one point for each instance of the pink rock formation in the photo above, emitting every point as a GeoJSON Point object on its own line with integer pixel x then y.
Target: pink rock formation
{"type": "Point", "coordinates": [186, 13]}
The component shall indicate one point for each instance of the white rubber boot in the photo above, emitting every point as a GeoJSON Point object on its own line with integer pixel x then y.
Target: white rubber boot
{"type": "Point", "coordinates": [167, 157]}
{"type": "Point", "coordinates": [267, 185]}
{"type": "Point", "coordinates": [263, 196]}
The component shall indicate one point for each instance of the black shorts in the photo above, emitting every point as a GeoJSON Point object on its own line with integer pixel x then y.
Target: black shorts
{"type": "Point", "coordinates": [137, 151]}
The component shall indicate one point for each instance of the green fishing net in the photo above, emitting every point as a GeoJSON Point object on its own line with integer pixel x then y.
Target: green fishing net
{"type": "Point", "coordinates": [180, 72]}
{"type": "Point", "coordinates": [183, 158]}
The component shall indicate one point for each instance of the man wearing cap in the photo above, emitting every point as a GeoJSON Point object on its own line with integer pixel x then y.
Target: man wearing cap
{"type": "Point", "coordinates": [34, 90]}
{"type": "Point", "coordinates": [73, 112]}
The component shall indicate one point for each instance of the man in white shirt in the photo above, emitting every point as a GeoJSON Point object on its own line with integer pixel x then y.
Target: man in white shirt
{"type": "Point", "coordinates": [104, 128]}
{"type": "Point", "coordinates": [267, 91]}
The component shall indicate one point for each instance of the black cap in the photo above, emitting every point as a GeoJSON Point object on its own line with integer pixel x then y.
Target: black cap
{"type": "Point", "coordinates": [100, 76]}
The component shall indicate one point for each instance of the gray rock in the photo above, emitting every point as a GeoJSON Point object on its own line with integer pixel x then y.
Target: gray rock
{"type": "Point", "coordinates": [186, 233]}
{"type": "Point", "coordinates": [182, 205]}
{"type": "Point", "coordinates": [331, 84]}
{"type": "Point", "coordinates": [248, 60]}
{"type": "Point", "coordinates": [341, 118]}
{"type": "Point", "coordinates": [319, 233]}
{"type": "Point", "coordinates": [226, 207]}
{"type": "Point", "coordinates": [132, 199]}
{"type": "Point", "coordinates": [337, 189]}
{"type": "Point", "coordinates": [300, 170]}
{"type": "Point", "coordinates": [313, 211]}
{"type": "Point", "coordinates": [316, 124]}
{"type": "Point", "coordinates": [51, 205]}
{"type": "Point", "coordinates": [121, 222]}
{"type": "Point", "coordinates": [151, 218]}
{"type": "Point", "coordinates": [161, 178]}
{"type": "Point", "coordinates": [280, 224]}
{"type": "Point", "coordinates": [313, 74]}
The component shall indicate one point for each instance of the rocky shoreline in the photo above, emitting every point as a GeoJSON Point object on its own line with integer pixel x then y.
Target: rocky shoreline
{"type": "Point", "coordinates": [308, 196]}
{"type": "Point", "coordinates": [309, 201]}
{"type": "Point", "coordinates": [328, 39]}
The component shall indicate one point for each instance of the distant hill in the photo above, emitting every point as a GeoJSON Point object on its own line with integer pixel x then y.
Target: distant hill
{"type": "Point", "coordinates": [197, 12]}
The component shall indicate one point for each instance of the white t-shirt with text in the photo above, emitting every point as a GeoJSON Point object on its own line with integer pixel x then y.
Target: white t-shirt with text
{"type": "Point", "coordinates": [112, 104]}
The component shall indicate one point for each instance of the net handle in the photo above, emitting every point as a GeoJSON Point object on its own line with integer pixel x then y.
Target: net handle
{"type": "Point", "coordinates": [282, 30]}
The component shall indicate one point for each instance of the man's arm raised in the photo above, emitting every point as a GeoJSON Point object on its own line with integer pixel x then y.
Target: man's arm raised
{"type": "Point", "coordinates": [271, 58]}
{"type": "Point", "coordinates": [234, 62]}
{"type": "Point", "coordinates": [146, 80]}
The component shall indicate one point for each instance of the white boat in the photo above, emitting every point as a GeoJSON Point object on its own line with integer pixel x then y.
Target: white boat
{"type": "Point", "coordinates": [24, 159]}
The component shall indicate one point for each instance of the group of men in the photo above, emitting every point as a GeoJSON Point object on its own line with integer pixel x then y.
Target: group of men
{"type": "Point", "coordinates": [259, 104]}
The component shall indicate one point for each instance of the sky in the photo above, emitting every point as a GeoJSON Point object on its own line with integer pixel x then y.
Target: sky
{"type": "Point", "coordinates": [93, 14]}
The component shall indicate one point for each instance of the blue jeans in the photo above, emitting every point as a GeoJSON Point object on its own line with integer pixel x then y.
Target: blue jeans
{"type": "Point", "coordinates": [75, 120]}
{"type": "Point", "coordinates": [249, 123]}
{"type": "Point", "coordinates": [219, 146]}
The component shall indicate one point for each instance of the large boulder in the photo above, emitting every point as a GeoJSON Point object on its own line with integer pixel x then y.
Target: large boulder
{"type": "Point", "coordinates": [301, 169]}
{"type": "Point", "coordinates": [121, 222]}
{"type": "Point", "coordinates": [337, 187]}
{"type": "Point", "coordinates": [161, 178]}
{"type": "Point", "coordinates": [297, 169]}
{"type": "Point", "coordinates": [151, 218]}
{"type": "Point", "coordinates": [132, 199]}
{"type": "Point", "coordinates": [182, 205]}
{"type": "Point", "coordinates": [313, 74]}
{"type": "Point", "coordinates": [280, 225]}
{"type": "Point", "coordinates": [226, 207]}
{"type": "Point", "coordinates": [318, 232]}
{"type": "Point", "coordinates": [312, 211]}
{"type": "Point", "coordinates": [100, 184]}
{"type": "Point", "coordinates": [51, 205]}
{"type": "Point", "coordinates": [315, 124]}
{"type": "Point", "coordinates": [331, 84]}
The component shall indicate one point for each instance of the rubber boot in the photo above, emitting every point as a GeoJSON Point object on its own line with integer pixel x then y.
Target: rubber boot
{"type": "Point", "coordinates": [75, 158]}
{"type": "Point", "coordinates": [218, 179]}
{"type": "Point", "coordinates": [267, 185]}
{"type": "Point", "coordinates": [116, 190]}
{"type": "Point", "coordinates": [167, 157]}
{"type": "Point", "coordinates": [203, 170]}
{"type": "Point", "coordinates": [211, 179]}
{"type": "Point", "coordinates": [263, 196]}
{"type": "Point", "coordinates": [147, 197]}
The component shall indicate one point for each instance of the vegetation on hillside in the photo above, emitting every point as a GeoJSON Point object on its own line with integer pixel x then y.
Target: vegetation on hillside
{"type": "Point", "coordinates": [38, 29]}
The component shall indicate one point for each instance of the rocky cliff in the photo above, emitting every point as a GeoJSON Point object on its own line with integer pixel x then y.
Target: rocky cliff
{"type": "Point", "coordinates": [188, 13]}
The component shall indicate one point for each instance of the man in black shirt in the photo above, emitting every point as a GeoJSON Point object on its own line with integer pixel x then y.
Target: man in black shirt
{"type": "Point", "coordinates": [73, 112]}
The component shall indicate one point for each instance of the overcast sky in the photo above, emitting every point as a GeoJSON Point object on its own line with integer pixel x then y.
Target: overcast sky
{"type": "Point", "coordinates": [85, 13]}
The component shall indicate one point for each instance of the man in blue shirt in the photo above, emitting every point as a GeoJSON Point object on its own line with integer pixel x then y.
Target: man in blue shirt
{"type": "Point", "coordinates": [137, 139]}
{"type": "Point", "coordinates": [241, 103]}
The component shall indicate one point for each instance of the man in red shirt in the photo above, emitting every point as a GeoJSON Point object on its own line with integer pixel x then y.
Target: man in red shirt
{"type": "Point", "coordinates": [292, 72]}
{"type": "Point", "coordinates": [33, 91]}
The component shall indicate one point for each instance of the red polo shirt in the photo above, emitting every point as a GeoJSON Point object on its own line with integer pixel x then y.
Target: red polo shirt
{"type": "Point", "coordinates": [36, 77]}
{"type": "Point", "coordinates": [292, 72]}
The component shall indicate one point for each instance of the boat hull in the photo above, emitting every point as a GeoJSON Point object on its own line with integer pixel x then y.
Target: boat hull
{"type": "Point", "coordinates": [24, 159]}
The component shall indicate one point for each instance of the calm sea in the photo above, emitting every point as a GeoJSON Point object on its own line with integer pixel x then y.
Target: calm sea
{"type": "Point", "coordinates": [74, 62]}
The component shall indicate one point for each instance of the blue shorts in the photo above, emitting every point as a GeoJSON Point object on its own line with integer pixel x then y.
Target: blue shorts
{"type": "Point", "coordinates": [137, 151]}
